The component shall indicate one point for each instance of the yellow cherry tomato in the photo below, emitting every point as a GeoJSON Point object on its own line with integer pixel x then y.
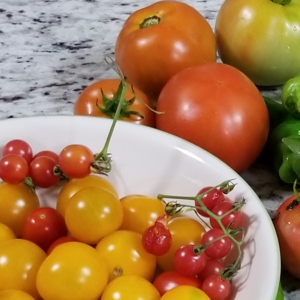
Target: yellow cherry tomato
{"type": "Point", "coordinates": [13, 294]}
{"type": "Point", "coordinates": [72, 271]}
{"type": "Point", "coordinates": [184, 231]}
{"type": "Point", "coordinates": [93, 213]}
{"type": "Point", "coordinates": [186, 292]}
{"type": "Point", "coordinates": [140, 212]}
{"type": "Point", "coordinates": [130, 287]}
{"type": "Point", "coordinates": [16, 201]}
{"type": "Point", "coordinates": [124, 254]}
{"type": "Point", "coordinates": [74, 185]}
{"type": "Point", "coordinates": [20, 261]}
{"type": "Point", "coordinates": [6, 233]}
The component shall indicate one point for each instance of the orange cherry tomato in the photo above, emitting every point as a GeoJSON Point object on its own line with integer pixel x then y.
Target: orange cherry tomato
{"type": "Point", "coordinates": [74, 185]}
{"type": "Point", "coordinates": [140, 212]}
{"type": "Point", "coordinates": [125, 255]}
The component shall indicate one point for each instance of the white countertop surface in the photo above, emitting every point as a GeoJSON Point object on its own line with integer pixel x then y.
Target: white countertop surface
{"type": "Point", "coordinates": [50, 50]}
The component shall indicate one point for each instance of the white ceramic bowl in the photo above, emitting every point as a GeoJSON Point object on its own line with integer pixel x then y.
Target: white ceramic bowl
{"type": "Point", "coordinates": [148, 161]}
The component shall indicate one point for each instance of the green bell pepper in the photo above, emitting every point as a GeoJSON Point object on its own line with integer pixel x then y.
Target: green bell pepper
{"type": "Point", "coordinates": [283, 147]}
{"type": "Point", "coordinates": [291, 96]}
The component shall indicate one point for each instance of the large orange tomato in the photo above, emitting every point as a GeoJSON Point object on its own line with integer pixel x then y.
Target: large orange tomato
{"type": "Point", "coordinates": [91, 102]}
{"type": "Point", "coordinates": [159, 40]}
{"type": "Point", "coordinates": [218, 108]}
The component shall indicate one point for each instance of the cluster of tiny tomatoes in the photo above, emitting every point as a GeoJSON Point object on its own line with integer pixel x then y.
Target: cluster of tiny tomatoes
{"type": "Point", "coordinates": [90, 244]}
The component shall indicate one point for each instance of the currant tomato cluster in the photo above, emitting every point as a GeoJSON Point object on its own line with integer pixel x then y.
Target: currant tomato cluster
{"type": "Point", "coordinates": [206, 264]}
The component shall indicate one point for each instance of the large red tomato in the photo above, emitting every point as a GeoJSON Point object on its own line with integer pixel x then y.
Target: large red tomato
{"type": "Point", "coordinates": [159, 40]}
{"type": "Point", "coordinates": [218, 108]}
{"type": "Point", "coordinates": [287, 225]}
{"type": "Point", "coordinates": [135, 109]}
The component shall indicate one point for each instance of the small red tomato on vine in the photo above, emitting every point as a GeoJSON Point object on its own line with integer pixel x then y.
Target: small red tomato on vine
{"type": "Point", "coordinates": [18, 147]}
{"type": "Point", "coordinates": [187, 262]}
{"type": "Point", "coordinates": [216, 287]}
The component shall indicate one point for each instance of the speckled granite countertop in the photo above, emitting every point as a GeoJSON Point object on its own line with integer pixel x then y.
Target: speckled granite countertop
{"type": "Point", "coordinates": [51, 49]}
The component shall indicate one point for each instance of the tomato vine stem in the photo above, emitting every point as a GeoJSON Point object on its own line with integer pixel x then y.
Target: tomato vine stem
{"type": "Point", "coordinates": [175, 208]}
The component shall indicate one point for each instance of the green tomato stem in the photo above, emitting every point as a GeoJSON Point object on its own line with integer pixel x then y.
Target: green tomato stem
{"type": "Point", "coordinates": [174, 208]}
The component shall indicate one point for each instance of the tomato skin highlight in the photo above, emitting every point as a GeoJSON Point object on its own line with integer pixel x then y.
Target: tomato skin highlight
{"type": "Point", "coordinates": [86, 102]}
{"type": "Point", "coordinates": [218, 108]}
{"type": "Point", "coordinates": [184, 38]}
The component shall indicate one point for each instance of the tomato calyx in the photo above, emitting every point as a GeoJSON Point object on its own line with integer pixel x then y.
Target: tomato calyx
{"type": "Point", "coordinates": [151, 21]}
{"type": "Point", "coordinates": [111, 105]}
{"type": "Point", "coordinates": [236, 234]}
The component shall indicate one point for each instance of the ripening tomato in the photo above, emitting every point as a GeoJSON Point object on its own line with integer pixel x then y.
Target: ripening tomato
{"type": "Point", "coordinates": [16, 201]}
{"type": "Point", "coordinates": [130, 287]}
{"type": "Point", "coordinates": [286, 221]}
{"type": "Point", "coordinates": [218, 108]}
{"type": "Point", "coordinates": [124, 254]}
{"type": "Point", "coordinates": [60, 240]}
{"type": "Point", "coordinates": [14, 294]}
{"type": "Point", "coordinates": [93, 213]}
{"type": "Point", "coordinates": [261, 38]}
{"type": "Point", "coordinates": [140, 212]}
{"type": "Point", "coordinates": [160, 40]}
{"type": "Point", "coordinates": [20, 261]}
{"type": "Point", "coordinates": [73, 270]}
{"type": "Point", "coordinates": [186, 292]}
{"type": "Point", "coordinates": [184, 231]}
{"type": "Point", "coordinates": [74, 185]}
{"type": "Point", "coordinates": [91, 103]}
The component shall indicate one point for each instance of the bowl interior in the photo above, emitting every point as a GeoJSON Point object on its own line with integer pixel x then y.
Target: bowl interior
{"type": "Point", "coordinates": [148, 161]}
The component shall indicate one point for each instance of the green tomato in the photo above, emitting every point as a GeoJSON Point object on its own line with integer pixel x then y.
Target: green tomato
{"type": "Point", "coordinates": [261, 38]}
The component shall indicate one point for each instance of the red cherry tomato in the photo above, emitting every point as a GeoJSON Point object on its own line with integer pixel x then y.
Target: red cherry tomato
{"type": "Point", "coordinates": [47, 153]}
{"type": "Point", "coordinates": [43, 226]}
{"type": "Point", "coordinates": [232, 220]}
{"type": "Point", "coordinates": [157, 239]}
{"type": "Point", "coordinates": [170, 279]}
{"type": "Point", "coordinates": [220, 247]}
{"type": "Point", "coordinates": [60, 240]}
{"type": "Point", "coordinates": [41, 171]}
{"type": "Point", "coordinates": [213, 266]}
{"type": "Point", "coordinates": [18, 147]}
{"type": "Point", "coordinates": [210, 199]}
{"type": "Point", "coordinates": [13, 168]}
{"type": "Point", "coordinates": [216, 288]}
{"type": "Point", "coordinates": [187, 262]}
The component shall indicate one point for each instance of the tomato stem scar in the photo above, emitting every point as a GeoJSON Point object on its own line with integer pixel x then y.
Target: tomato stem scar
{"type": "Point", "coordinates": [151, 21]}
